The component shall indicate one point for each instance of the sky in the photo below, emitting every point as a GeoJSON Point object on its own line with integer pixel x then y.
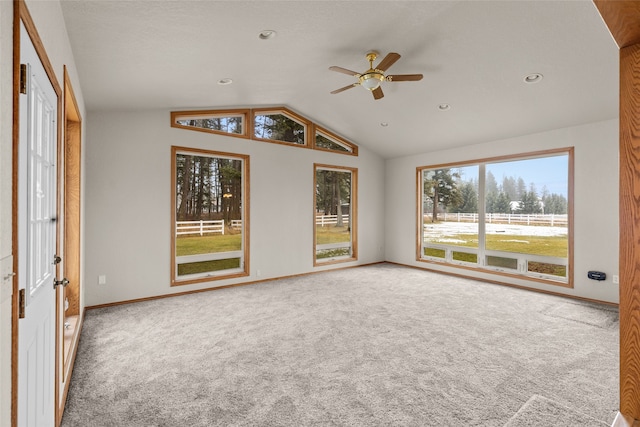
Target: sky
{"type": "Point", "coordinates": [551, 172]}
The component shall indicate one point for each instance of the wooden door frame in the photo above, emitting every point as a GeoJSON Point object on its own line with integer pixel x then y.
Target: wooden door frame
{"type": "Point", "coordinates": [21, 15]}
{"type": "Point", "coordinates": [623, 20]}
{"type": "Point", "coordinates": [71, 199]}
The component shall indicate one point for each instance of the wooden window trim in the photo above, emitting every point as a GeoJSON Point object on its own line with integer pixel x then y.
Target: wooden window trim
{"type": "Point", "coordinates": [306, 123]}
{"type": "Point", "coordinates": [245, 215]}
{"type": "Point", "coordinates": [248, 130]}
{"type": "Point", "coordinates": [569, 151]}
{"type": "Point", "coordinates": [353, 213]}
{"type": "Point", "coordinates": [202, 114]}
{"type": "Point", "coordinates": [337, 139]}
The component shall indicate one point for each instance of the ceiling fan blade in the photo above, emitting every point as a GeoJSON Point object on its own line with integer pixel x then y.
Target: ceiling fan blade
{"type": "Point", "coordinates": [404, 78]}
{"type": "Point", "coordinates": [342, 89]}
{"type": "Point", "coordinates": [377, 93]}
{"type": "Point", "coordinates": [388, 61]}
{"type": "Point", "coordinates": [344, 71]}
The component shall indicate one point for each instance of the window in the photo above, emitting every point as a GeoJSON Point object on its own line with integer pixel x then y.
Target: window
{"type": "Point", "coordinates": [230, 122]}
{"type": "Point", "coordinates": [275, 124]}
{"type": "Point", "coordinates": [210, 218]}
{"type": "Point", "coordinates": [508, 215]}
{"type": "Point", "coordinates": [328, 141]}
{"type": "Point", "coordinates": [335, 214]}
{"type": "Point", "coordinates": [280, 125]}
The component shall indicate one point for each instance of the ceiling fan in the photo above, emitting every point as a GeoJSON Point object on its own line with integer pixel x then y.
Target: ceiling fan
{"type": "Point", "coordinates": [373, 77]}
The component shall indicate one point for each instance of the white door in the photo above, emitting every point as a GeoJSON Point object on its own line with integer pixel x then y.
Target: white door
{"type": "Point", "coordinates": [37, 242]}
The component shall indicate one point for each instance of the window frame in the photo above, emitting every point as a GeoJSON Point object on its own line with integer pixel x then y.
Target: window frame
{"type": "Point", "coordinates": [287, 113]}
{"type": "Point", "coordinates": [205, 114]}
{"type": "Point", "coordinates": [248, 115]}
{"type": "Point", "coordinates": [481, 251]}
{"type": "Point", "coordinates": [353, 215]}
{"type": "Point", "coordinates": [352, 149]}
{"type": "Point", "coordinates": [244, 269]}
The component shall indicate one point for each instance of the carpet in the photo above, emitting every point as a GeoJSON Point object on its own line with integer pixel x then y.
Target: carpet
{"type": "Point", "coordinates": [540, 411]}
{"type": "Point", "coordinates": [380, 345]}
{"type": "Point", "coordinates": [601, 316]}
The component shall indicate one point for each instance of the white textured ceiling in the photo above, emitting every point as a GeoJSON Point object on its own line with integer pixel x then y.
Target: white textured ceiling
{"type": "Point", "coordinates": [473, 54]}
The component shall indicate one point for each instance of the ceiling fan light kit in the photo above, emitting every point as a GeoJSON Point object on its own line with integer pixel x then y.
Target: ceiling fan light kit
{"type": "Point", "coordinates": [371, 80]}
{"type": "Point", "coordinates": [373, 77]}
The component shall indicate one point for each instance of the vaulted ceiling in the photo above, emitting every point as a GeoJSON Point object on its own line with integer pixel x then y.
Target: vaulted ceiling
{"type": "Point", "coordinates": [474, 55]}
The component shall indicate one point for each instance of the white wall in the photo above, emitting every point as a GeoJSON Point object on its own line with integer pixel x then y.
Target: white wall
{"type": "Point", "coordinates": [595, 203]}
{"type": "Point", "coordinates": [128, 200]}
{"type": "Point", "coordinates": [48, 19]}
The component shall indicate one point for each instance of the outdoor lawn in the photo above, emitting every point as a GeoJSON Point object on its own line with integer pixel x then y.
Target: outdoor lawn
{"type": "Point", "coordinates": [332, 234]}
{"type": "Point", "coordinates": [195, 245]}
{"type": "Point", "coordinates": [556, 246]}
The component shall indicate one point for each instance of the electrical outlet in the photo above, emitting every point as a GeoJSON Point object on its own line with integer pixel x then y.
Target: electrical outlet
{"type": "Point", "coordinates": [102, 280]}
{"type": "Point", "coordinates": [615, 279]}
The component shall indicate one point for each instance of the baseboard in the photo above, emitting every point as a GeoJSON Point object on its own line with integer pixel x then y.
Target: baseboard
{"type": "Point", "coordinates": [215, 288]}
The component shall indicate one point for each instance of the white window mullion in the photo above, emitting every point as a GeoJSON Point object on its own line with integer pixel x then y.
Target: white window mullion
{"type": "Point", "coordinates": [481, 214]}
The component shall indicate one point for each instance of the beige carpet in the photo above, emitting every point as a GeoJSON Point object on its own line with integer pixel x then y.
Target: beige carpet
{"type": "Point", "coordinates": [540, 411]}
{"type": "Point", "coordinates": [381, 345]}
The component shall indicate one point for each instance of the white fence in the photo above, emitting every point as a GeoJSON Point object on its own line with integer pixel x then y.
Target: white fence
{"type": "Point", "coordinates": [205, 227]}
{"type": "Point", "coordinates": [323, 220]}
{"type": "Point", "coordinates": [199, 227]}
{"type": "Point", "coordinates": [552, 220]}
{"type": "Point", "coordinates": [218, 226]}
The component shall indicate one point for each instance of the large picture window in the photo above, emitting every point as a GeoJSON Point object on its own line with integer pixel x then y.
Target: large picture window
{"type": "Point", "coordinates": [508, 215]}
{"type": "Point", "coordinates": [210, 218]}
{"type": "Point", "coordinates": [335, 214]}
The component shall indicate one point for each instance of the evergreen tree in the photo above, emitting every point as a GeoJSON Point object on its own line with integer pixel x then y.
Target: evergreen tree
{"type": "Point", "coordinates": [491, 193]}
{"type": "Point", "coordinates": [502, 203]}
{"type": "Point", "coordinates": [509, 187]}
{"type": "Point", "coordinates": [521, 188]}
{"type": "Point", "coordinates": [555, 204]}
{"type": "Point", "coordinates": [529, 203]}
{"type": "Point", "coordinates": [441, 188]}
{"type": "Point", "coordinates": [468, 198]}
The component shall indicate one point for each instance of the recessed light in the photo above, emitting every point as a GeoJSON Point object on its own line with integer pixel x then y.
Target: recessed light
{"type": "Point", "coordinates": [533, 78]}
{"type": "Point", "coordinates": [267, 34]}
{"type": "Point", "coordinates": [444, 107]}
{"type": "Point", "coordinates": [384, 124]}
{"type": "Point", "coordinates": [225, 81]}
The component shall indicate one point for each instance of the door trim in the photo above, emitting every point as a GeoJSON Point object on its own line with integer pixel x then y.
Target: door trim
{"type": "Point", "coordinates": [21, 14]}
{"type": "Point", "coordinates": [71, 201]}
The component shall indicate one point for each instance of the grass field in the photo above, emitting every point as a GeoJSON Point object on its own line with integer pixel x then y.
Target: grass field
{"type": "Point", "coordinates": [332, 234]}
{"type": "Point", "coordinates": [195, 245]}
{"type": "Point", "coordinates": [213, 243]}
{"type": "Point", "coordinates": [206, 266]}
{"type": "Point", "coordinates": [555, 246]}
